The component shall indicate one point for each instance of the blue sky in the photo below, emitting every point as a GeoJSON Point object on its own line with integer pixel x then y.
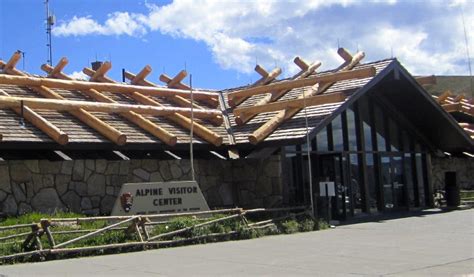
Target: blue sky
{"type": "Point", "coordinates": [219, 42]}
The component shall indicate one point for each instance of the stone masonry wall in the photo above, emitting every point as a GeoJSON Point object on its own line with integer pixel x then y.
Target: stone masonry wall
{"type": "Point", "coordinates": [463, 166]}
{"type": "Point", "coordinates": [91, 186]}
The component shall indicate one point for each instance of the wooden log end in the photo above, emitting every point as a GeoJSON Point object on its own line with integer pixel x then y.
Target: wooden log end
{"type": "Point", "coordinates": [1, 137]}
{"type": "Point", "coordinates": [217, 141]}
{"type": "Point", "coordinates": [216, 121]}
{"type": "Point", "coordinates": [172, 141]}
{"type": "Point", "coordinates": [63, 139]}
{"type": "Point", "coordinates": [121, 139]}
{"type": "Point", "coordinates": [239, 120]}
{"type": "Point", "coordinates": [344, 54]}
{"type": "Point", "coordinates": [301, 63]}
{"type": "Point", "coordinates": [165, 78]}
{"type": "Point", "coordinates": [253, 139]}
{"type": "Point", "coordinates": [260, 70]}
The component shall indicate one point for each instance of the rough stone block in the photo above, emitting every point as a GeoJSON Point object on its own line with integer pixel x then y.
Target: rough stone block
{"type": "Point", "coordinates": [49, 167]}
{"type": "Point", "coordinates": [226, 194]}
{"type": "Point", "coordinates": [150, 165]}
{"type": "Point", "coordinates": [156, 177]}
{"type": "Point", "coordinates": [165, 171]}
{"type": "Point", "coordinates": [19, 192]}
{"type": "Point", "coordinates": [72, 201]}
{"type": "Point", "coordinates": [100, 165]}
{"type": "Point", "coordinates": [78, 170]}
{"type": "Point", "coordinates": [61, 181]}
{"type": "Point", "coordinates": [124, 167]}
{"type": "Point", "coordinates": [113, 168]}
{"type": "Point", "coordinates": [47, 201]}
{"type": "Point", "coordinates": [109, 190]}
{"type": "Point", "coordinates": [3, 195]}
{"type": "Point", "coordinates": [90, 164]}
{"type": "Point", "coordinates": [19, 173]}
{"type": "Point", "coordinates": [24, 208]}
{"type": "Point", "coordinates": [95, 200]}
{"type": "Point", "coordinates": [176, 171]}
{"type": "Point", "coordinates": [79, 187]}
{"type": "Point", "coordinates": [5, 178]}
{"type": "Point", "coordinates": [48, 180]}
{"type": "Point", "coordinates": [86, 203]}
{"type": "Point", "coordinates": [96, 185]}
{"type": "Point", "coordinates": [9, 206]}
{"type": "Point", "coordinates": [32, 165]}
{"type": "Point", "coordinates": [66, 167]}
{"type": "Point", "coordinates": [107, 204]}
{"type": "Point", "coordinates": [142, 174]}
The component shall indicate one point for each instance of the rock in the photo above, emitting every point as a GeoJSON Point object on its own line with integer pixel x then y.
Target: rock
{"type": "Point", "coordinates": [100, 165]}
{"type": "Point", "coordinates": [47, 201]}
{"type": "Point", "coordinates": [3, 195]}
{"type": "Point", "coordinates": [124, 166]}
{"type": "Point", "coordinates": [48, 180]}
{"type": "Point", "coordinates": [213, 197]}
{"type": "Point", "coordinates": [175, 171]}
{"type": "Point", "coordinates": [165, 171]}
{"type": "Point", "coordinates": [95, 200]}
{"type": "Point", "coordinates": [112, 168]}
{"type": "Point", "coordinates": [9, 206]}
{"type": "Point", "coordinates": [86, 203]}
{"type": "Point", "coordinates": [19, 192]}
{"type": "Point", "coordinates": [156, 177]}
{"type": "Point", "coordinates": [90, 164]}
{"type": "Point", "coordinates": [142, 174]}
{"type": "Point", "coordinates": [91, 212]}
{"type": "Point", "coordinates": [225, 192]}
{"type": "Point", "coordinates": [62, 182]}
{"type": "Point", "coordinates": [66, 167]}
{"type": "Point", "coordinates": [78, 170]}
{"type": "Point", "coordinates": [264, 186]}
{"type": "Point", "coordinates": [107, 204]}
{"type": "Point", "coordinates": [30, 191]}
{"type": "Point", "coordinates": [4, 178]}
{"type": "Point", "coordinates": [32, 165]}
{"type": "Point", "coordinates": [96, 185]}
{"type": "Point", "coordinates": [79, 187]}
{"type": "Point", "coordinates": [24, 208]}
{"type": "Point", "coordinates": [49, 167]}
{"type": "Point", "coordinates": [109, 190]}
{"type": "Point", "coordinates": [87, 173]}
{"type": "Point", "coordinates": [150, 165]}
{"type": "Point", "coordinates": [72, 201]}
{"type": "Point", "coordinates": [19, 173]}
{"type": "Point", "coordinates": [276, 184]}
{"type": "Point", "coordinates": [37, 182]}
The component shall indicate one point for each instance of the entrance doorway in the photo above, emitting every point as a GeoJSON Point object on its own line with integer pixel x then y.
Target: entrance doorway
{"type": "Point", "coordinates": [393, 182]}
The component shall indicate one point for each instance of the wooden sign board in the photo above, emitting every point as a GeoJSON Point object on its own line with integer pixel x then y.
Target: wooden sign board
{"type": "Point", "coordinates": [159, 197]}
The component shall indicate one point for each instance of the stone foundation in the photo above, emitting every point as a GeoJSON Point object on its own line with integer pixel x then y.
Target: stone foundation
{"type": "Point", "coordinates": [464, 167]}
{"type": "Point", "coordinates": [91, 186]}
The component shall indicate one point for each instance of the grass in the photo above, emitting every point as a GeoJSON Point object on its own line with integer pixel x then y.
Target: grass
{"type": "Point", "coordinates": [12, 246]}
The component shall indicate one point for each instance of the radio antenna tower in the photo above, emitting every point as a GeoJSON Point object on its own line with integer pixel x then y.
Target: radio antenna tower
{"type": "Point", "coordinates": [50, 20]}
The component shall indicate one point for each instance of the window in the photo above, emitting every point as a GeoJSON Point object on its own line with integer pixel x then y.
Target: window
{"type": "Point", "coordinates": [337, 134]}
{"type": "Point", "coordinates": [351, 130]}
{"type": "Point", "coordinates": [322, 140]}
{"type": "Point", "coordinates": [380, 129]}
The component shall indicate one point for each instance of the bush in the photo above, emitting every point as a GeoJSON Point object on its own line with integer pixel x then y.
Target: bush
{"type": "Point", "coordinates": [289, 226]}
{"type": "Point", "coordinates": [323, 224]}
{"type": "Point", "coordinates": [307, 225]}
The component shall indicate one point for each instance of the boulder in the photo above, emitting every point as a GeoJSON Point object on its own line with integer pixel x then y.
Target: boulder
{"type": "Point", "coordinates": [49, 167]}
{"type": "Point", "coordinates": [4, 178]}
{"type": "Point", "coordinates": [79, 187]}
{"type": "Point", "coordinates": [24, 208]}
{"type": "Point", "coordinates": [19, 173]}
{"type": "Point", "coordinates": [107, 204]}
{"type": "Point", "coordinates": [175, 171]}
{"type": "Point", "coordinates": [47, 201]}
{"type": "Point", "coordinates": [72, 201]}
{"type": "Point", "coordinates": [33, 165]}
{"type": "Point", "coordinates": [66, 167]}
{"type": "Point", "coordinates": [62, 182]}
{"type": "Point", "coordinates": [9, 206]}
{"type": "Point", "coordinates": [142, 174]}
{"type": "Point", "coordinates": [19, 192]}
{"type": "Point", "coordinates": [150, 165]}
{"type": "Point", "coordinates": [86, 203]}
{"type": "Point", "coordinates": [3, 195]}
{"type": "Point", "coordinates": [100, 165]}
{"type": "Point", "coordinates": [112, 168]}
{"type": "Point", "coordinates": [78, 170]}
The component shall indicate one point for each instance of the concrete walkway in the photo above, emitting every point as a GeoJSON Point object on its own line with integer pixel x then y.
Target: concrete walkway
{"type": "Point", "coordinates": [438, 244]}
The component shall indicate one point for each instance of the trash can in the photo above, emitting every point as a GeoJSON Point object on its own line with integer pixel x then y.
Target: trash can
{"type": "Point", "coordinates": [453, 198]}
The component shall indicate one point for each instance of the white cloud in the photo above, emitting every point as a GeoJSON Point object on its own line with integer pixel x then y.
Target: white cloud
{"type": "Point", "coordinates": [79, 75]}
{"type": "Point", "coordinates": [273, 32]}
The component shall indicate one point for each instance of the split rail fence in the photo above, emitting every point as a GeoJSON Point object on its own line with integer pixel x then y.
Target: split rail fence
{"type": "Point", "coordinates": [140, 225]}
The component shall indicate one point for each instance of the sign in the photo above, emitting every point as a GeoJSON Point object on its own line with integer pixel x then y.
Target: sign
{"type": "Point", "coordinates": [159, 197]}
{"type": "Point", "coordinates": [327, 189]}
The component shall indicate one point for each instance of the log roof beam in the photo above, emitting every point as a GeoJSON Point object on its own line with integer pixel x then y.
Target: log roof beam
{"type": "Point", "coordinates": [131, 116]}
{"type": "Point", "coordinates": [271, 125]}
{"type": "Point", "coordinates": [178, 118]}
{"type": "Point", "coordinates": [177, 84]}
{"type": "Point", "coordinates": [444, 96]}
{"type": "Point", "coordinates": [266, 79]}
{"type": "Point", "coordinates": [328, 78]}
{"type": "Point", "coordinates": [87, 118]}
{"type": "Point", "coordinates": [306, 70]}
{"type": "Point", "coordinates": [290, 104]}
{"type": "Point", "coordinates": [40, 122]}
{"type": "Point", "coordinates": [183, 102]}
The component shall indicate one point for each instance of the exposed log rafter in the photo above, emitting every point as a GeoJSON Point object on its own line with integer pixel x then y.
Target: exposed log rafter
{"type": "Point", "coordinates": [131, 116]}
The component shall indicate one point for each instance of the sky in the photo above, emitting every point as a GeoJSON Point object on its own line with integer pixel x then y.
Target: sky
{"type": "Point", "coordinates": [220, 42]}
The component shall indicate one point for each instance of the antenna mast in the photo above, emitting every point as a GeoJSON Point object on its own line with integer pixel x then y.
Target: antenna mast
{"type": "Point", "coordinates": [50, 20]}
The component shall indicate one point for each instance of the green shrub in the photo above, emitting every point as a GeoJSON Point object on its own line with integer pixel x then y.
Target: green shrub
{"type": "Point", "coordinates": [307, 225]}
{"type": "Point", "coordinates": [289, 226]}
{"type": "Point", "coordinates": [323, 224]}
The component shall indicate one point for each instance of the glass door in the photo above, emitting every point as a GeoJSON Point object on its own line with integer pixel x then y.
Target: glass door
{"type": "Point", "coordinates": [393, 182]}
{"type": "Point", "coordinates": [331, 169]}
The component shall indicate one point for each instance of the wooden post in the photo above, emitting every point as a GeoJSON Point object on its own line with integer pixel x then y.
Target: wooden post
{"type": "Point", "coordinates": [133, 117]}
{"type": "Point", "coordinates": [45, 224]}
{"type": "Point", "coordinates": [41, 123]}
{"type": "Point", "coordinates": [306, 70]}
{"type": "Point", "coordinates": [269, 126]}
{"type": "Point", "coordinates": [84, 116]}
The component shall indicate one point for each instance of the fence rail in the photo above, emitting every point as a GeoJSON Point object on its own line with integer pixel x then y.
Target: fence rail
{"type": "Point", "coordinates": [136, 224]}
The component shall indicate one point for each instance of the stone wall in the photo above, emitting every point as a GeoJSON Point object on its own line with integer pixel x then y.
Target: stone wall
{"type": "Point", "coordinates": [91, 186]}
{"type": "Point", "coordinates": [463, 166]}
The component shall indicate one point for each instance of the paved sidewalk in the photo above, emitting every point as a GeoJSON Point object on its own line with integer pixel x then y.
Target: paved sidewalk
{"type": "Point", "coordinates": [438, 244]}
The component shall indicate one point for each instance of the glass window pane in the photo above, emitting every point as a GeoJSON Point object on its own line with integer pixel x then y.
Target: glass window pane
{"type": "Point", "coordinates": [356, 196]}
{"type": "Point", "coordinates": [379, 129]}
{"type": "Point", "coordinates": [419, 178]}
{"type": "Point", "coordinates": [394, 136]}
{"type": "Point", "coordinates": [371, 182]}
{"type": "Point", "coordinates": [322, 140]}
{"type": "Point", "coordinates": [365, 117]}
{"type": "Point", "coordinates": [351, 129]}
{"type": "Point", "coordinates": [337, 134]}
{"type": "Point", "coordinates": [409, 179]}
